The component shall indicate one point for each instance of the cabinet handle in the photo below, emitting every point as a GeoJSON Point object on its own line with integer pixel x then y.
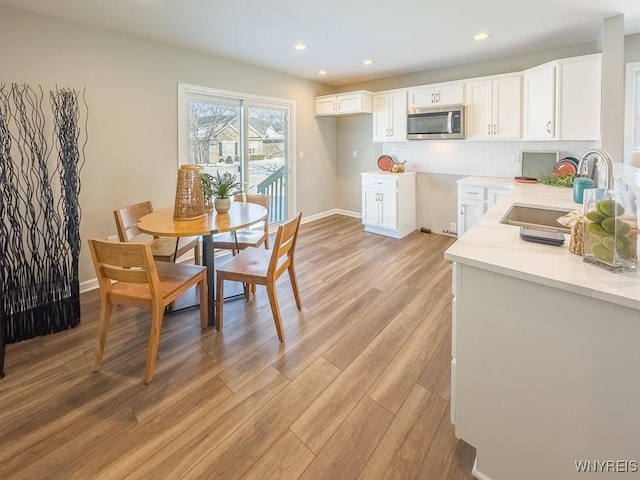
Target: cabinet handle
{"type": "Point", "coordinates": [391, 132]}
{"type": "Point", "coordinates": [462, 211]}
{"type": "Point", "coordinates": [549, 126]}
{"type": "Point", "coordinates": [433, 98]}
{"type": "Point", "coordinates": [334, 106]}
{"type": "Point", "coordinates": [495, 129]}
{"type": "Point", "coordinates": [437, 97]}
{"type": "Point", "coordinates": [488, 129]}
{"type": "Point", "coordinates": [338, 106]}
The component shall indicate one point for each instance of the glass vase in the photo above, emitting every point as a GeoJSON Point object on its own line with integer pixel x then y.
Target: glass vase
{"type": "Point", "coordinates": [610, 229]}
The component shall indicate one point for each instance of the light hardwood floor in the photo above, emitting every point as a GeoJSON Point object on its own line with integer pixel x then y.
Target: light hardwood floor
{"type": "Point", "coordinates": [360, 387]}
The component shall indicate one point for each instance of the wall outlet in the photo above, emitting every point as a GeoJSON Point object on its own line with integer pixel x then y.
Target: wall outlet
{"type": "Point", "coordinates": [301, 154]}
{"type": "Point", "coordinates": [112, 238]}
{"type": "Point", "coordinates": [355, 154]}
{"type": "Point", "coordinates": [453, 227]}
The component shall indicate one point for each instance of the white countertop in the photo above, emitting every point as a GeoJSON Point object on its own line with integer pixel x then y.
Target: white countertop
{"type": "Point", "coordinates": [496, 247]}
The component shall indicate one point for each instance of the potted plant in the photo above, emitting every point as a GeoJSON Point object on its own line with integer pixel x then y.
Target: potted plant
{"type": "Point", "coordinates": [221, 188]}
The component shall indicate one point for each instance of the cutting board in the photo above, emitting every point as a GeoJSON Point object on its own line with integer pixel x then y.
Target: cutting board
{"type": "Point", "coordinates": [538, 164]}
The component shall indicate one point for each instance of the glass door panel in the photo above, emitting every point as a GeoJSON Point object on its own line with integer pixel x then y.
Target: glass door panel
{"type": "Point", "coordinates": [215, 140]}
{"type": "Point", "coordinates": [267, 157]}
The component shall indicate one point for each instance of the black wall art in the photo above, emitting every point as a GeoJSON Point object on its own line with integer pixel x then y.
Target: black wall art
{"type": "Point", "coordinates": [41, 155]}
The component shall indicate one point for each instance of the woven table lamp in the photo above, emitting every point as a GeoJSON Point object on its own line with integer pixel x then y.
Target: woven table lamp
{"type": "Point", "coordinates": [189, 203]}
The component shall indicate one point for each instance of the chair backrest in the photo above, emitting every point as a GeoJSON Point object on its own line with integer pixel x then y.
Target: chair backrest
{"type": "Point", "coordinates": [284, 247]}
{"type": "Point", "coordinates": [124, 262]}
{"type": "Point", "coordinates": [127, 218]}
{"type": "Point", "coordinates": [258, 199]}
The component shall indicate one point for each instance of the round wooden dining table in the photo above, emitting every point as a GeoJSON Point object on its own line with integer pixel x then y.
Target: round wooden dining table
{"type": "Point", "coordinates": [241, 215]}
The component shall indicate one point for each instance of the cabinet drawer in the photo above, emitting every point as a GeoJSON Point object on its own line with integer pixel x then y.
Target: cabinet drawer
{"type": "Point", "coordinates": [471, 191]}
{"type": "Point", "coordinates": [380, 181]}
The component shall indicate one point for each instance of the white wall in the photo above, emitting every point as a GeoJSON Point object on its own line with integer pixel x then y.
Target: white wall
{"type": "Point", "coordinates": [132, 97]}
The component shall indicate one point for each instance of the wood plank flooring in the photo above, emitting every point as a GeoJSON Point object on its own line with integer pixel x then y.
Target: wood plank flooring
{"type": "Point", "coordinates": [359, 389]}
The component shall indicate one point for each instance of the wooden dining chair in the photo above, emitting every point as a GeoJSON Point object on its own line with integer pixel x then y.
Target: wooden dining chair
{"type": "Point", "coordinates": [164, 249]}
{"type": "Point", "coordinates": [128, 275]}
{"type": "Point", "coordinates": [241, 239]}
{"type": "Point", "coordinates": [263, 267]}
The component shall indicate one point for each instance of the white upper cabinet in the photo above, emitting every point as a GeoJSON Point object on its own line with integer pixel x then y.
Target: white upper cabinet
{"type": "Point", "coordinates": [562, 99]}
{"type": "Point", "coordinates": [580, 98]}
{"type": "Point", "coordinates": [493, 108]}
{"type": "Point", "coordinates": [539, 102]}
{"type": "Point", "coordinates": [450, 93]}
{"type": "Point", "coordinates": [348, 103]}
{"type": "Point", "coordinates": [390, 117]}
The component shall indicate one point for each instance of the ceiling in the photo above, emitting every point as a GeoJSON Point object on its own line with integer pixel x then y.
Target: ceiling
{"type": "Point", "coordinates": [401, 36]}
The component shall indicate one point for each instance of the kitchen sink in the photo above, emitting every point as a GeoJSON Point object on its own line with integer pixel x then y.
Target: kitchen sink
{"type": "Point", "coordinates": [535, 216]}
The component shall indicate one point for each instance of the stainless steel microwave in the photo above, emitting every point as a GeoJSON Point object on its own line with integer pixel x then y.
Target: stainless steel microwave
{"type": "Point", "coordinates": [434, 123]}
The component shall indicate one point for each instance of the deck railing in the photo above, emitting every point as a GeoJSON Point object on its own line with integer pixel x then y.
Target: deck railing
{"type": "Point", "coordinates": [274, 186]}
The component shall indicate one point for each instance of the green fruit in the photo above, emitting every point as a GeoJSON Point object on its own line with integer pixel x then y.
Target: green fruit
{"type": "Point", "coordinates": [602, 253]}
{"type": "Point", "coordinates": [626, 253]}
{"type": "Point", "coordinates": [623, 228]}
{"type": "Point", "coordinates": [611, 242]}
{"type": "Point", "coordinates": [610, 208]}
{"type": "Point", "coordinates": [609, 224]}
{"type": "Point", "coordinates": [622, 242]}
{"type": "Point", "coordinates": [595, 216]}
{"type": "Point", "coordinates": [596, 229]}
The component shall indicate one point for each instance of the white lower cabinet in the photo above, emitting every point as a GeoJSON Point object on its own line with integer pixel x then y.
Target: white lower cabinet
{"type": "Point", "coordinates": [389, 203]}
{"type": "Point", "coordinates": [475, 198]}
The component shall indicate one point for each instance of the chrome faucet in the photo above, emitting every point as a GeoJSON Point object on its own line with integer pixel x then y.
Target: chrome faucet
{"type": "Point", "coordinates": [603, 155]}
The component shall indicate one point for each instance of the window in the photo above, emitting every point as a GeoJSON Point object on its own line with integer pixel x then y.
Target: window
{"type": "Point", "coordinates": [246, 135]}
{"type": "Point", "coordinates": [632, 115]}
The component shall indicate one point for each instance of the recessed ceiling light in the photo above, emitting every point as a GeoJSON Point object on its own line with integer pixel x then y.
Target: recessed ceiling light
{"type": "Point", "coordinates": [299, 46]}
{"type": "Point", "coordinates": [367, 62]}
{"type": "Point", "coordinates": [322, 72]}
{"type": "Point", "coordinates": [482, 36]}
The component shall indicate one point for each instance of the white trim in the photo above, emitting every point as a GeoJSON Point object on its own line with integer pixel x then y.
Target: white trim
{"type": "Point", "coordinates": [89, 285]}
{"type": "Point", "coordinates": [630, 128]}
{"type": "Point", "coordinates": [328, 213]}
{"type": "Point", "coordinates": [477, 473]}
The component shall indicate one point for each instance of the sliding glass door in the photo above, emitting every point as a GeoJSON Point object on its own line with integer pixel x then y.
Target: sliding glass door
{"type": "Point", "coordinates": [243, 135]}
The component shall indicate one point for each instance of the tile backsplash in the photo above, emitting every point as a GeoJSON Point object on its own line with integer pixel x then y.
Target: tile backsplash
{"type": "Point", "coordinates": [488, 159]}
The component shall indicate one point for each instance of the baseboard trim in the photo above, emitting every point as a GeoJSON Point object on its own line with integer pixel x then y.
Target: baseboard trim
{"type": "Point", "coordinates": [328, 213]}
{"type": "Point", "coordinates": [477, 473]}
{"type": "Point", "coordinates": [89, 285]}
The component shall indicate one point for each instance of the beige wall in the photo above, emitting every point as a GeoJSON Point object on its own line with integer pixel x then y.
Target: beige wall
{"type": "Point", "coordinates": [131, 90]}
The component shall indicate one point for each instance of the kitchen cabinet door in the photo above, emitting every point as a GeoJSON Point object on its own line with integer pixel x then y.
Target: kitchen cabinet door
{"type": "Point", "coordinates": [437, 94]}
{"type": "Point", "coordinates": [579, 103]}
{"type": "Point", "coordinates": [493, 108]}
{"type": "Point", "coordinates": [390, 117]}
{"type": "Point", "coordinates": [539, 103]}
{"type": "Point", "coordinates": [506, 108]}
{"type": "Point", "coordinates": [469, 212]}
{"type": "Point", "coordinates": [388, 209]}
{"type": "Point", "coordinates": [344, 103]}
{"type": "Point", "coordinates": [479, 109]}
{"type": "Point", "coordinates": [370, 206]}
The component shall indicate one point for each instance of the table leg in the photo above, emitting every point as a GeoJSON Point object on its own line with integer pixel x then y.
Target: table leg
{"type": "Point", "coordinates": [208, 257]}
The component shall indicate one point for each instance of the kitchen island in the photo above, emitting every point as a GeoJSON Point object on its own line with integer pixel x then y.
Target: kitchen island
{"type": "Point", "coordinates": [545, 353]}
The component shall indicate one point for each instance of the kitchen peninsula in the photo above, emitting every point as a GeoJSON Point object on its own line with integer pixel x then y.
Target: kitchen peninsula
{"type": "Point", "coordinates": [545, 353]}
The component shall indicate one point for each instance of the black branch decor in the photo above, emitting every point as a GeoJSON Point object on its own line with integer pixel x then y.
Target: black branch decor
{"type": "Point", "coordinates": [39, 213]}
